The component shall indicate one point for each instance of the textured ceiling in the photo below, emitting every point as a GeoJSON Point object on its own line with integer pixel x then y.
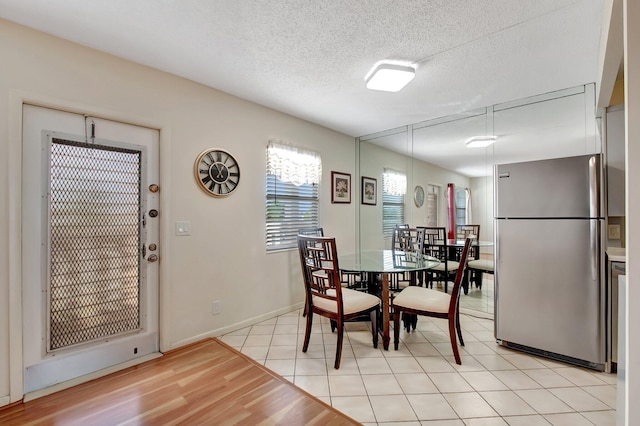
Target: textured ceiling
{"type": "Point", "coordinates": [309, 58]}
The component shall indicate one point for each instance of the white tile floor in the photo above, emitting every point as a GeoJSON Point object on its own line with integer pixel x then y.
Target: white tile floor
{"type": "Point", "coordinates": [420, 384]}
{"type": "Point", "coordinates": [479, 299]}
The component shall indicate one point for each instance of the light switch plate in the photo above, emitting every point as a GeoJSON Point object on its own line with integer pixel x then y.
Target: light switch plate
{"type": "Point", "coordinates": [183, 227]}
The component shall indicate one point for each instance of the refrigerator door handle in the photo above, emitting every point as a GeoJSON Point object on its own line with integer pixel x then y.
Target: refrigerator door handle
{"type": "Point", "coordinates": [595, 249]}
{"type": "Point", "coordinates": [594, 185]}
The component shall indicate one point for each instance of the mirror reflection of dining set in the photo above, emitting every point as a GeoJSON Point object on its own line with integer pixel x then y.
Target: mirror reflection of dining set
{"type": "Point", "coordinates": [394, 285]}
{"type": "Point", "coordinates": [436, 242]}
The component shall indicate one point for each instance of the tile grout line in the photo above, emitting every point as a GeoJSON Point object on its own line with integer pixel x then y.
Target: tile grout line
{"type": "Point", "coordinates": [349, 344]}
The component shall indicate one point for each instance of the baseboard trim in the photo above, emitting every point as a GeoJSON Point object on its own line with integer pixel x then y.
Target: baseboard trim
{"type": "Point", "coordinates": [4, 400]}
{"type": "Point", "coordinates": [477, 314]}
{"type": "Point", "coordinates": [237, 326]}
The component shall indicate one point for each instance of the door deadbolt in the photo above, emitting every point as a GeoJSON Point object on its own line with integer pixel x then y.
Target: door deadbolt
{"type": "Point", "coordinates": [153, 213]}
{"type": "Point", "coordinates": [152, 258]}
{"type": "Point", "coordinates": [152, 247]}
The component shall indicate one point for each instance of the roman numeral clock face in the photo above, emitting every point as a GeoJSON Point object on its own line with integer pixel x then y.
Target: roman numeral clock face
{"type": "Point", "coordinates": [217, 172]}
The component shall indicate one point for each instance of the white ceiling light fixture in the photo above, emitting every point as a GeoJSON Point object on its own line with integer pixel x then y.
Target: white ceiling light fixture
{"type": "Point", "coordinates": [389, 77]}
{"type": "Point", "coordinates": [480, 141]}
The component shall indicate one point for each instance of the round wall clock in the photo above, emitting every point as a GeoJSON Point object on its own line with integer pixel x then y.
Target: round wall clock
{"type": "Point", "coordinates": [418, 196]}
{"type": "Point", "coordinates": [217, 172]}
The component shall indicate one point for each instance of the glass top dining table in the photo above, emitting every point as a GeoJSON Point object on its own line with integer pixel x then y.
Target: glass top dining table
{"type": "Point", "coordinates": [383, 263]}
{"type": "Point", "coordinates": [474, 242]}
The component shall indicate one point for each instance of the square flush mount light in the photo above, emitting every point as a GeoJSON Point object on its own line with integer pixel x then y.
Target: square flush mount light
{"type": "Point", "coordinates": [480, 141]}
{"type": "Point", "coordinates": [389, 77]}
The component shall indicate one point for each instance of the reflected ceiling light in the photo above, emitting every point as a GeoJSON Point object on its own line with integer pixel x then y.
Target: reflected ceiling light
{"type": "Point", "coordinates": [480, 141]}
{"type": "Point", "coordinates": [389, 77]}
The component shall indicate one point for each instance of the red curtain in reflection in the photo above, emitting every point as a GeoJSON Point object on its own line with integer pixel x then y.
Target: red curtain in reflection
{"type": "Point", "coordinates": [451, 211]}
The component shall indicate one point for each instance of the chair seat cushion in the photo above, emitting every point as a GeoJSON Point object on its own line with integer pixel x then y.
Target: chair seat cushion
{"type": "Point", "coordinates": [482, 264]}
{"type": "Point", "coordinates": [353, 301]}
{"type": "Point", "coordinates": [451, 266]}
{"type": "Point", "coordinates": [423, 299]}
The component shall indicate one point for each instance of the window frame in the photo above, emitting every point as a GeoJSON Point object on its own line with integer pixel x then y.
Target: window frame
{"type": "Point", "coordinates": [393, 205]}
{"type": "Point", "coordinates": [460, 205]}
{"type": "Point", "coordinates": [290, 206]}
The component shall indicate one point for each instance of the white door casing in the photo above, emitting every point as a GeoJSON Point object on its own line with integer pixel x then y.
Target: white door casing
{"type": "Point", "coordinates": [44, 367]}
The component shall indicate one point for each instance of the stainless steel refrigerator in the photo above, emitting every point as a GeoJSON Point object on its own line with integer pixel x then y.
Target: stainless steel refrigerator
{"type": "Point", "coordinates": [549, 288]}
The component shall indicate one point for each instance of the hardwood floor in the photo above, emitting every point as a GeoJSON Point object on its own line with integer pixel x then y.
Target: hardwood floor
{"type": "Point", "coordinates": [207, 383]}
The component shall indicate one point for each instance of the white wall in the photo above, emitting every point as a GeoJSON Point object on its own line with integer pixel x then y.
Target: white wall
{"type": "Point", "coordinates": [482, 208]}
{"type": "Point", "coordinates": [224, 258]}
{"type": "Point", "coordinates": [427, 174]}
{"type": "Point", "coordinates": [632, 120]}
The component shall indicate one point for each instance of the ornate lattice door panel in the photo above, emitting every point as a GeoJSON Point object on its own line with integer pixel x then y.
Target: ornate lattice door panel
{"type": "Point", "coordinates": [94, 242]}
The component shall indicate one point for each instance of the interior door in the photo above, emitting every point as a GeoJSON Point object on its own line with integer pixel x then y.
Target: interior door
{"type": "Point", "coordinates": [433, 195]}
{"type": "Point", "coordinates": [89, 244]}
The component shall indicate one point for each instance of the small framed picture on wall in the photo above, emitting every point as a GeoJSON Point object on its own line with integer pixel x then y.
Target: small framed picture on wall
{"type": "Point", "coordinates": [369, 191]}
{"type": "Point", "coordinates": [340, 187]}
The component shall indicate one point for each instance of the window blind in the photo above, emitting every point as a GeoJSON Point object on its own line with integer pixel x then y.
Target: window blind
{"type": "Point", "coordinates": [394, 187]}
{"type": "Point", "coordinates": [461, 206]}
{"type": "Point", "coordinates": [292, 182]}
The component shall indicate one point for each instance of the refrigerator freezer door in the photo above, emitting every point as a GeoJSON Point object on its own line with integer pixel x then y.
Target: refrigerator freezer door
{"type": "Point", "coordinates": [547, 286]}
{"type": "Point", "coordinates": [558, 188]}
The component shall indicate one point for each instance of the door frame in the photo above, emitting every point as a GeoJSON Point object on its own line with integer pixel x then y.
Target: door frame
{"type": "Point", "coordinates": [16, 365]}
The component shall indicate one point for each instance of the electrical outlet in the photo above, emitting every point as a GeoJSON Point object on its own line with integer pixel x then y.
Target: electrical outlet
{"type": "Point", "coordinates": [216, 307]}
{"type": "Point", "coordinates": [614, 232]}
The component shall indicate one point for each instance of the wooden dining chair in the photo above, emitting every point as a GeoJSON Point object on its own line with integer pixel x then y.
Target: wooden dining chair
{"type": "Point", "coordinates": [401, 238]}
{"type": "Point", "coordinates": [476, 268]}
{"type": "Point", "coordinates": [428, 302]}
{"type": "Point", "coordinates": [312, 231]}
{"type": "Point", "coordinates": [353, 280]}
{"type": "Point", "coordinates": [473, 232]}
{"type": "Point", "coordinates": [464, 231]}
{"type": "Point", "coordinates": [435, 245]}
{"type": "Point", "coordinates": [325, 294]}
{"type": "Point", "coordinates": [405, 239]}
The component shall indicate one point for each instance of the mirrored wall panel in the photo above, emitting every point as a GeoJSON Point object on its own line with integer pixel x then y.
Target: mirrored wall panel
{"type": "Point", "coordinates": [412, 172]}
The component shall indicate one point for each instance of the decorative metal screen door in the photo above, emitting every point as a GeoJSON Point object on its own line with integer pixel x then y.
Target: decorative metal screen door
{"type": "Point", "coordinates": [90, 280]}
{"type": "Point", "coordinates": [95, 213]}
